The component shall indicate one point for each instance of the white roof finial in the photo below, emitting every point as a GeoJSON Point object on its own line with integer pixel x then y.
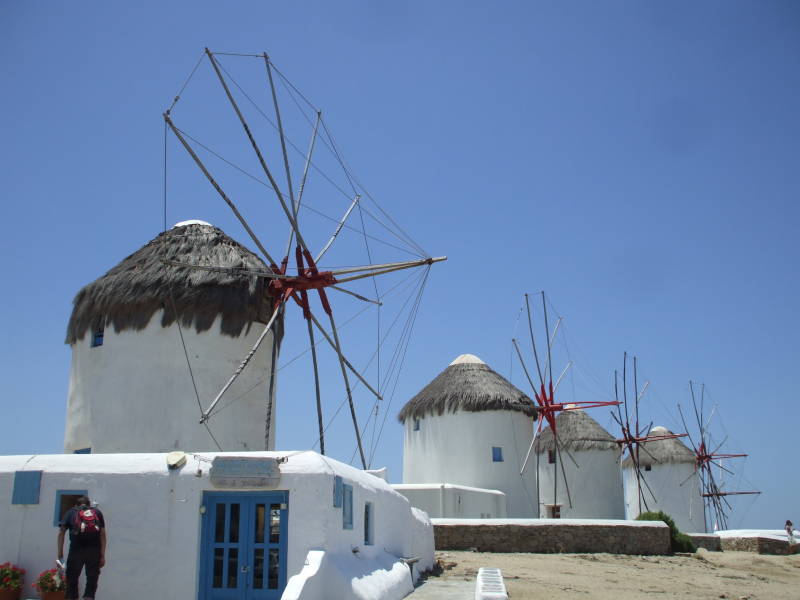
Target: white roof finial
{"type": "Point", "coordinates": [191, 222]}
{"type": "Point", "coordinates": [467, 359]}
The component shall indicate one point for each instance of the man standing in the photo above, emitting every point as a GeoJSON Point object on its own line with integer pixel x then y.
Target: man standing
{"type": "Point", "coordinates": [87, 546]}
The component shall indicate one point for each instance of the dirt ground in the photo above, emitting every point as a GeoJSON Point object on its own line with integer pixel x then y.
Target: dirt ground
{"type": "Point", "coordinates": [733, 575]}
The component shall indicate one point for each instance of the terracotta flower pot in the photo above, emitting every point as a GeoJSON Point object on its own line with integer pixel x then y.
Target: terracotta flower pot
{"type": "Point", "coordinates": [10, 594]}
{"type": "Point", "coordinates": [53, 595]}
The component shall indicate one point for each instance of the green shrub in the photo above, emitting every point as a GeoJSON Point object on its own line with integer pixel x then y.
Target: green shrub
{"type": "Point", "coordinates": [679, 542]}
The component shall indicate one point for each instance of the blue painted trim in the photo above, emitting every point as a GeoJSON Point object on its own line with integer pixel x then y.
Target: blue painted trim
{"type": "Point", "coordinates": [369, 524]}
{"type": "Point", "coordinates": [347, 506]}
{"type": "Point", "coordinates": [337, 491]}
{"type": "Point", "coordinates": [59, 493]}
{"type": "Point", "coordinates": [26, 487]}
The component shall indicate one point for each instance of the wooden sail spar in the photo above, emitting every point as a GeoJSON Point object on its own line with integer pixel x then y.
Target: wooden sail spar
{"type": "Point", "coordinates": [544, 393]}
{"type": "Point", "coordinates": [309, 278]}
{"type": "Point", "coordinates": [715, 503]}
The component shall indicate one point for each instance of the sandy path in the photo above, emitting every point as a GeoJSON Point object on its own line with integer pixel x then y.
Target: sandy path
{"type": "Point", "coordinates": [703, 575]}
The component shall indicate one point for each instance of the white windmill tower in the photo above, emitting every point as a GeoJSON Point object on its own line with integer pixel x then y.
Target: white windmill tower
{"type": "Point", "coordinates": [591, 476]}
{"type": "Point", "coordinates": [129, 388]}
{"type": "Point", "coordinates": [667, 481]}
{"type": "Point", "coordinates": [657, 468]}
{"type": "Point", "coordinates": [295, 277]}
{"type": "Point", "coordinates": [471, 427]}
{"type": "Point", "coordinates": [553, 492]}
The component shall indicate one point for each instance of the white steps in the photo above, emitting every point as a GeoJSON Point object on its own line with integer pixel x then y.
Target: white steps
{"type": "Point", "coordinates": [489, 585]}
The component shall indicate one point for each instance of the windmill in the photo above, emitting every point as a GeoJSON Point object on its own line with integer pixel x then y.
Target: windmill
{"type": "Point", "coordinates": [296, 275]}
{"type": "Point", "coordinates": [715, 499]}
{"type": "Point", "coordinates": [634, 438]}
{"type": "Point", "coordinates": [548, 407]}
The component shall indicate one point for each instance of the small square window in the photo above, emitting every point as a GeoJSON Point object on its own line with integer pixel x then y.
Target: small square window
{"type": "Point", "coordinates": [97, 336]}
{"type": "Point", "coordinates": [368, 524]}
{"type": "Point", "coordinates": [83, 451]}
{"type": "Point", "coordinates": [66, 499]}
{"type": "Point", "coordinates": [551, 457]}
{"type": "Point", "coordinates": [26, 487]}
{"type": "Point", "coordinates": [337, 491]}
{"type": "Point", "coordinates": [554, 511]}
{"type": "Point", "coordinates": [347, 506]}
{"type": "Point", "coordinates": [416, 424]}
{"type": "Point", "coordinates": [497, 454]}
{"type": "Point", "coordinates": [648, 467]}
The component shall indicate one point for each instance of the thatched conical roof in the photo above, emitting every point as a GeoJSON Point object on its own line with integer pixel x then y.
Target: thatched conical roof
{"type": "Point", "coordinates": [661, 451]}
{"type": "Point", "coordinates": [576, 430]}
{"type": "Point", "coordinates": [130, 294]}
{"type": "Point", "coordinates": [467, 384]}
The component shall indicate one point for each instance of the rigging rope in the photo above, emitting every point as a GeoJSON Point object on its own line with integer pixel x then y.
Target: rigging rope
{"type": "Point", "coordinates": [305, 206]}
{"type": "Point", "coordinates": [403, 359]}
{"type": "Point", "coordinates": [171, 295]}
{"type": "Point", "coordinates": [348, 172]}
{"type": "Point", "coordinates": [183, 87]}
{"type": "Point", "coordinates": [341, 404]}
{"type": "Point", "coordinates": [391, 366]}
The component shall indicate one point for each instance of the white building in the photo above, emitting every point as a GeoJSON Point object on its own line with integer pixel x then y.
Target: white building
{"type": "Point", "coordinates": [201, 525]}
{"type": "Point", "coordinates": [259, 525]}
{"type": "Point", "coordinates": [580, 478]}
{"type": "Point", "coordinates": [670, 483]}
{"type": "Point", "coordinates": [138, 379]}
{"type": "Point", "coordinates": [466, 435]}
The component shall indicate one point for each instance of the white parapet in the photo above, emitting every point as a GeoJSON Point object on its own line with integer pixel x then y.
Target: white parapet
{"type": "Point", "coordinates": [490, 585]}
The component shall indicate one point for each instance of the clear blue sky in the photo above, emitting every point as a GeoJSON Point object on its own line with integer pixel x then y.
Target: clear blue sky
{"type": "Point", "coordinates": [637, 160]}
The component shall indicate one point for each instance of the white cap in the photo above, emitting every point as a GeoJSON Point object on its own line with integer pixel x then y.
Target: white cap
{"type": "Point", "coordinates": [467, 359]}
{"type": "Point", "coordinates": [191, 222]}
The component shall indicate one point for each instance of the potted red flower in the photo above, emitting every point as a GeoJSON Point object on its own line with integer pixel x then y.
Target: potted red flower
{"type": "Point", "coordinates": [11, 578]}
{"type": "Point", "coordinates": [50, 585]}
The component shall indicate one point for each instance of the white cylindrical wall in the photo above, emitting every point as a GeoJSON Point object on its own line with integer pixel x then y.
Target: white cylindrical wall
{"type": "Point", "coordinates": [456, 448]}
{"type": "Point", "coordinates": [595, 484]}
{"type": "Point", "coordinates": [134, 393]}
{"type": "Point", "coordinates": [674, 488]}
{"type": "Point", "coordinates": [444, 500]}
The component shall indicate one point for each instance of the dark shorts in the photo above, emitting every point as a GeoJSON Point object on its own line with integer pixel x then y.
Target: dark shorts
{"type": "Point", "coordinates": [79, 559]}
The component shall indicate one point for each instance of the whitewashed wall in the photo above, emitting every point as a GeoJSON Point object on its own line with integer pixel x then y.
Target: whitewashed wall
{"type": "Point", "coordinates": [456, 448]}
{"type": "Point", "coordinates": [134, 393]}
{"type": "Point", "coordinates": [595, 484]}
{"type": "Point", "coordinates": [675, 490]}
{"type": "Point", "coordinates": [454, 501]}
{"type": "Point", "coordinates": [166, 544]}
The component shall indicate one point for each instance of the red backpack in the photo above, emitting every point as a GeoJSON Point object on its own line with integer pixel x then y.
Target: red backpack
{"type": "Point", "coordinates": [86, 524]}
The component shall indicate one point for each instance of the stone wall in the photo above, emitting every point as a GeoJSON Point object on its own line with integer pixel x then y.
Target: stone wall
{"type": "Point", "coordinates": [761, 545]}
{"type": "Point", "coordinates": [708, 541]}
{"type": "Point", "coordinates": [549, 536]}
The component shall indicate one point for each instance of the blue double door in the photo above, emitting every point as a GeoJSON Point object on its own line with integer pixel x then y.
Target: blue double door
{"type": "Point", "coordinates": [243, 549]}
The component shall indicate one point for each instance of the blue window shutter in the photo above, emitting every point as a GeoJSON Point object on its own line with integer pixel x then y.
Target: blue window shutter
{"type": "Point", "coordinates": [368, 523]}
{"type": "Point", "coordinates": [337, 492]}
{"type": "Point", "coordinates": [83, 451]}
{"type": "Point", "coordinates": [347, 506]}
{"type": "Point", "coordinates": [26, 487]}
{"type": "Point", "coordinates": [97, 337]}
{"type": "Point", "coordinates": [497, 454]}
